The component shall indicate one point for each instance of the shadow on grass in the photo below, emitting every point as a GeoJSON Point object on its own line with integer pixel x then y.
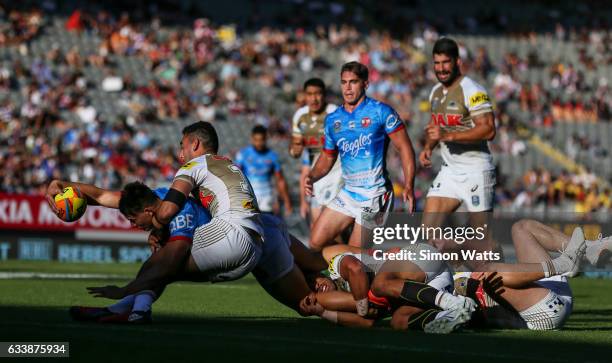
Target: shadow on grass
{"type": "Point", "coordinates": [185, 338]}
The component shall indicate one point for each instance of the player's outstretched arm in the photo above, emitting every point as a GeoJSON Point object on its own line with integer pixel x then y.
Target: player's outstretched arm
{"type": "Point", "coordinates": [323, 165]}
{"type": "Point", "coordinates": [95, 196]}
{"type": "Point", "coordinates": [173, 202]}
{"type": "Point", "coordinates": [403, 144]}
{"type": "Point", "coordinates": [160, 269]}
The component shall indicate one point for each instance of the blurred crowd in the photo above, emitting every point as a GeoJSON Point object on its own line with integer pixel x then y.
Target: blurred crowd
{"type": "Point", "coordinates": [206, 71]}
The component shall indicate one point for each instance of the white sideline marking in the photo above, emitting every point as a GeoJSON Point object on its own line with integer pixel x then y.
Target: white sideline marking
{"type": "Point", "coordinates": [263, 338]}
{"type": "Point", "coordinates": [50, 276]}
{"type": "Point", "coordinates": [78, 276]}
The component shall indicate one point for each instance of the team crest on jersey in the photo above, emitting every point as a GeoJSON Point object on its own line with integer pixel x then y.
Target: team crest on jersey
{"type": "Point", "coordinates": [189, 165]}
{"type": "Point", "coordinates": [478, 98]}
{"type": "Point", "coordinates": [337, 125]}
{"type": "Point", "coordinates": [351, 124]}
{"type": "Point", "coordinates": [365, 122]}
{"type": "Point", "coordinates": [452, 105]}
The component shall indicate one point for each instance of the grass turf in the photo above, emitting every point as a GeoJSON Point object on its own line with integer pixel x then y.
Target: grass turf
{"type": "Point", "coordinates": [238, 321]}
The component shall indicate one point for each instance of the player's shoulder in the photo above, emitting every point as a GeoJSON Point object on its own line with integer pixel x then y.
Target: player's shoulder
{"type": "Point", "coordinates": [300, 112]}
{"type": "Point", "coordinates": [335, 115]}
{"type": "Point", "coordinates": [195, 163]}
{"type": "Point", "coordinates": [331, 107]}
{"type": "Point", "coordinates": [471, 86]}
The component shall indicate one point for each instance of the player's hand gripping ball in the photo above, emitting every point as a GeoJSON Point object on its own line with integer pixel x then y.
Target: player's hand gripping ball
{"type": "Point", "coordinates": [71, 204]}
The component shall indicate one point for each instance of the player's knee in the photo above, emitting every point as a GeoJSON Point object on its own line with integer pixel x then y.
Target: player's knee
{"type": "Point", "coordinates": [379, 287]}
{"type": "Point", "coordinates": [354, 267]}
{"type": "Point", "coordinates": [521, 225]}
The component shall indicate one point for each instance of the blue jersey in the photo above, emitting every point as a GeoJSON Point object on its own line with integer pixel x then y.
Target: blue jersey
{"type": "Point", "coordinates": [183, 225]}
{"type": "Point", "coordinates": [259, 167]}
{"type": "Point", "coordinates": [361, 139]}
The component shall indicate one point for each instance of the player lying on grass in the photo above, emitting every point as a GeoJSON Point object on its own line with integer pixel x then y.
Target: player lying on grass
{"type": "Point", "coordinates": [172, 261]}
{"type": "Point", "coordinates": [525, 302]}
{"type": "Point", "coordinates": [364, 283]}
{"type": "Point", "coordinates": [532, 302]}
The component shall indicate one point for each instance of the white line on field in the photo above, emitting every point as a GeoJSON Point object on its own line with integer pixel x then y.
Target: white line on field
{"type": "Point", "coordinates": [284, 339]}
{"type": "Point", "coordinates": [80, 276]}
{"type": "Point", "coordinates": [50, 276]}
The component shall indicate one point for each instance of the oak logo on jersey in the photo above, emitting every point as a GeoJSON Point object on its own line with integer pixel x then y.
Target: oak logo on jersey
{"type": "Point", "coordinates": [478, 98]}
{"type": "Point", "coordinates": [365, 122]}
{"type": "Point", "coordinates": [189, 165]}
{"type": "Point", "coordinates": [450, 119]}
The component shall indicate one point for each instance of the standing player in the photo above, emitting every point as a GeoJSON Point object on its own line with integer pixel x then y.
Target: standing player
{"type": "Point", "coordinates": [461, 123]}
{"type": "Point", "coordinates": [307, 141]}
{"type": "Point", "coordinates": [260, 165]}
{"type": "Point", "coordinates": [359, 132]}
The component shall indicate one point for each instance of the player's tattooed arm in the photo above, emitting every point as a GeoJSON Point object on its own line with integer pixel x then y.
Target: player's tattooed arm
{"type": "Point", "coordinates": [95, 196]}
{"type": "Point", "coordinates": [168, 209]}
{"type": "Point", "coordinates": [323, 165]}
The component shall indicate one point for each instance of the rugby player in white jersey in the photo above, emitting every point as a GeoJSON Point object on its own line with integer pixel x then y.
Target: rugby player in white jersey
{"type": "Point", "coordinates": [462, 122]}
{"type": "Point", "coordinates": [308, 134]}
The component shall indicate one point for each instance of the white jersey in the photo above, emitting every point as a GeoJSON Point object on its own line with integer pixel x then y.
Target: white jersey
{"type": "Point", "coordinates": [453, 109]}
{"type": "Point", "coordinates": [222, 189]}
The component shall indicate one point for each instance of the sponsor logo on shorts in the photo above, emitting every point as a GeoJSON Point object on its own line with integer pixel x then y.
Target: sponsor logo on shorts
{"type": "Point", "coordinates": [478, 98]}
{"type": "Point", "coordinates": [473, 189]}
{"type": "Point", "coordinates": [475, 200]}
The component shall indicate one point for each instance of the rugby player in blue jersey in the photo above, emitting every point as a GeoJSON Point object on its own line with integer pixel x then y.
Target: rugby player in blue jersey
{"type": "Point", "coordinates": [260, 164]}
{"type": "Point", "coordinates": [359, 132]}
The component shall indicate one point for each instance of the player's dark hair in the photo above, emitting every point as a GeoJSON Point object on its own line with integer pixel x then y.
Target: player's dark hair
{"type": "Point", "coordinates": [206, 133]}
{"type": "Point", "coordinates": [259, 129]}
{"type": "Point", "coordinates": [446, 46]}
{"type": "Point", "coordinates": [355, 67]}
{"type": "Point", "coordinates": [135, 197]}
{"type": "Point", "coordinates": [315, 82]}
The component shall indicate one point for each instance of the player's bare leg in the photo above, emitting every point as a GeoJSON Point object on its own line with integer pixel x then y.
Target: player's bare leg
{"type": "Point", "coordinates": [327, 227]}
{"type": "Point", "coordinates": [290, 289]}
{"type": "Point", "coordinates": [307, 260]}
{"type": "Point", "coordinates": [436, 210]}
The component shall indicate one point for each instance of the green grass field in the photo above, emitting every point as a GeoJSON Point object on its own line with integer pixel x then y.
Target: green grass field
{"type": "Point", "coordinates": [239, 322]}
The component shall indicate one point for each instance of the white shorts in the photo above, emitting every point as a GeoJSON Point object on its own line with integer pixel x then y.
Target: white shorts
{"type": "Point", "coordinates": [276, 259]}
{"type": "Point", "coordinates": [369, 213]}
{"type": "Point", "coordinates": [475, 189]}
{"type": "Point", "coordinates": [326, 189]}
{"type": "Point", "coordinates": [225, 251]}
{"type": "Point", "coordinates": [553, 310]}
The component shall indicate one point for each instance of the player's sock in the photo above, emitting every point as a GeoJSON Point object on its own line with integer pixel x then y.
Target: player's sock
{"type": "Point", "coordinates": [419, 320]}
{"type": "Point", "coordinates": [123, 306]}
{"type": "Point", "coordinates": [418, 292]}
{"type": "Point", "coordinates": [144, 300]}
